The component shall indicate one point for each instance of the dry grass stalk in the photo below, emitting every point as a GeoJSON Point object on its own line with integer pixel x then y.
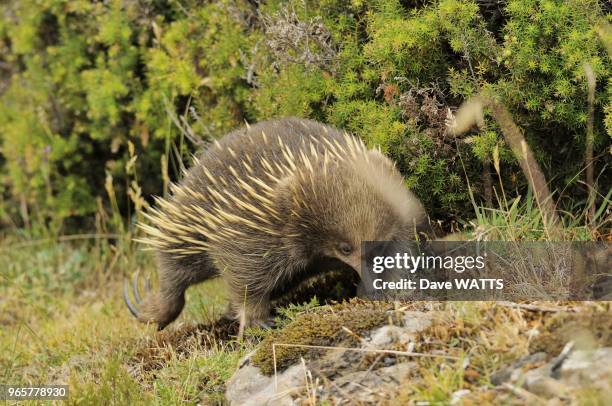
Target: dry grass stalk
{"type": "Point", "coordinates": [472, 113]}
{"type": "Point", "coordinates": [591, 81]}
{"type": "Point", "coordinates": [530, 167]}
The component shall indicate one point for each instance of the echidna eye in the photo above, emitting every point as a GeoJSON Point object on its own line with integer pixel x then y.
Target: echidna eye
{"type": "Point", "coordinates": [345, 248]}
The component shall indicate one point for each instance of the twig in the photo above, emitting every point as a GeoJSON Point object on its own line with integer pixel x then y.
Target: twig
{"type": "Point", "coordinates": [325, 347]}
{"type": "Point", "coordinates": [535, 308]}
{"type": "Point", "coordinates": [62, 238]}
{"type": "Point", "coordinates": [275, 374]}
{"type": "Point", "coordinates": [371, 368]}
{"type": "Point", "coordinates": [393, 352]}
{"type": "Point", "coordinates": [524, 394]}
{"type": "Point", "coordinates": [353, 334]}
{"type": "Point", "coordinates": [558, 361]}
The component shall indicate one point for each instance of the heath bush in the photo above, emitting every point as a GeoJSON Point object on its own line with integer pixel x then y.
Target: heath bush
{"type": "Point", "coordinates": [80, 80]}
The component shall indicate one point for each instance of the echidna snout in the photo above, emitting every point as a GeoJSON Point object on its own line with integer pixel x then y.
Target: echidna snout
{"type": "Point", "coordinates": [267, 206]}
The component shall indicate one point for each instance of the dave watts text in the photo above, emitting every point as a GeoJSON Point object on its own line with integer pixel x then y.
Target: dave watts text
{"type": "Point", "coordinates": [426, 284]}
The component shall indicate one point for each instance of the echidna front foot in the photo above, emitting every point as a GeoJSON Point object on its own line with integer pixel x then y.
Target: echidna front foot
{"type": "Point", "coordinates": [267, 324]}
{"type": "Point", "coordinates": [252, 315]}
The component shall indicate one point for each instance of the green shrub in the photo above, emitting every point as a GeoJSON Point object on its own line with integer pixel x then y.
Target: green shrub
{"type": "Point", "coordinates": [81, 79]}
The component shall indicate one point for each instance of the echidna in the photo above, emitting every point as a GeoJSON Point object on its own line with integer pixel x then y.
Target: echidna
{"type": "Point", "coordinates": [268, 205]}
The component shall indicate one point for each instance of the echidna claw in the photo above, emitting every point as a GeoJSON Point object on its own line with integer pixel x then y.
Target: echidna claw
{"type": "Point", "coordinates": [267, 324]}
{"type": "Point", "coordinates": [135, 288]}
{"type": "Point", "coordinates": [126, 298]}
{"type": "Point", "coordinates": [127, 286]}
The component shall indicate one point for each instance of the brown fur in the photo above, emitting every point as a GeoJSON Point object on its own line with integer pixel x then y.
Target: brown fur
{"type": "Point", "coordinates": [268, 205]}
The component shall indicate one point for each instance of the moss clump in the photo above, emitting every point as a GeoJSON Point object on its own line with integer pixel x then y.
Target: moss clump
{"type": "Point", "coordinates": [565, 327]}
{"type": "Point", "coordinates": [323, 327]}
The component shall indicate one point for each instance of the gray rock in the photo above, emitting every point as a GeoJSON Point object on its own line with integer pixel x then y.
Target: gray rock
{"type": "Point", "coordinates": [372, 386]}
{"type": "Point", "coordinates": [505, 374]}
{"type": "Point", "coordinates": [248, 386]}
{"type": "Point", "coordinates": [378, 376]}
{"type": "Point", "coordinates": [456, 398]}
{"type": "Point", "coordinates": [558, 378]}
{"type": "Point", "coordinates": [538, 382]}
{"type": "Point", "coordinates": [387, 335]}
{"type": "Point", "coordinates": [588, 367]}
{"type": "Point", "coordinates": [415, 322]}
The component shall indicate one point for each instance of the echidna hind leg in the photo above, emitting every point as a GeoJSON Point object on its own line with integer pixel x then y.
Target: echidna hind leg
{"type": "Point", "coordinates": [175, 276]}
{"type": "Point", "coordinates": [164, 306]}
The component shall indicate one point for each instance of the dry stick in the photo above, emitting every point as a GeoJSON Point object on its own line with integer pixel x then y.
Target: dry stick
{"type": "Point", "coordinates": [590, 75]}
{"type": "Point", "coordinates": [529, 165]}
{"type": "Point", "coordinates": [524, 394]}
{"type": "Point", "coordinates": [535, 308]}
{"type": "Point", "coordinates": [62, 238]}
{"type": "Point", "coordinates": [325, 347]}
